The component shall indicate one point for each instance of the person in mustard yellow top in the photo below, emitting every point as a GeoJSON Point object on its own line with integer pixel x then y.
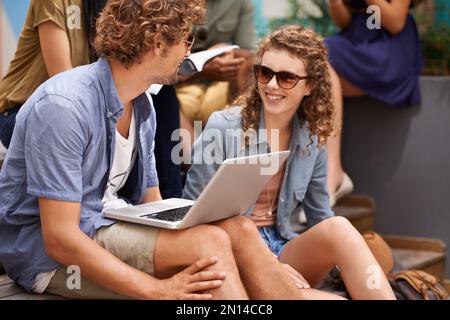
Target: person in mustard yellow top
{"type": "Point", "coordinates": [54, 38]}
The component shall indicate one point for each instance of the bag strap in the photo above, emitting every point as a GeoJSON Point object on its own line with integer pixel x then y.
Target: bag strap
{"type": "Point", "coordinates": [422, 282]}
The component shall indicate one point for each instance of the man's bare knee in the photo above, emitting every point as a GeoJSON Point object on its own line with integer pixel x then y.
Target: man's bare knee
{"type": "Point", "coordinates": [238, 224]}
{"type": "Point", "coordinates": [208, 240]}
{"type": "Point", "coordinates": [240, 229]}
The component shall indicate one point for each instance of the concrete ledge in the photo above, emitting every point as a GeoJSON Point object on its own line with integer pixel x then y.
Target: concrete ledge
{"type": "Point", "coordinates": [401, 157]}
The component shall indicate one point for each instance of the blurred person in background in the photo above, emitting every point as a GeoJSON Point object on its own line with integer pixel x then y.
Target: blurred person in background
{"type": "Point", "coordinates": [383, 63]}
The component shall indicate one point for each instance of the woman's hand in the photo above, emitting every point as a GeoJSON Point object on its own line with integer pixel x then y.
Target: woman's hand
{"type": "Point", "coordinates": [298, 279]}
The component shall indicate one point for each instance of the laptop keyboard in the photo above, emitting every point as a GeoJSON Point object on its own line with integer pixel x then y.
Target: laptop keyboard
{"type": "Point", "coordinates": [172, 215]}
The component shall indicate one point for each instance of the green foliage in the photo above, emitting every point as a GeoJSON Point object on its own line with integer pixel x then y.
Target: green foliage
{"type": "Point", "coordinates": [297, 15]}
{"type": "Point", "coordinates": [435, 43]}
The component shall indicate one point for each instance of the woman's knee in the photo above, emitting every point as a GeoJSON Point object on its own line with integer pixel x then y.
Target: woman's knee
{"type": "Point", "coordinates": [338, 231]}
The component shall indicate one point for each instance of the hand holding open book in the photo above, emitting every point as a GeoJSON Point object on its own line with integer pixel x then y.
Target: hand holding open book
{"type": "Point", "coordinates": [195, 62]}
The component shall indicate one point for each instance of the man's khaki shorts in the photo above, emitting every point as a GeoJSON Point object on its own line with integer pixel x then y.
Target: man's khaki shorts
{"type": "Point", "coordinates": [134, 244]}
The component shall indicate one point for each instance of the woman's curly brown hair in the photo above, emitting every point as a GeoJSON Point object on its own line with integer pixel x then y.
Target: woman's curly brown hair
{"type": "Point", "coordinates": [316, 109]}
{"type": "Point", "coordinates": [126, 28]}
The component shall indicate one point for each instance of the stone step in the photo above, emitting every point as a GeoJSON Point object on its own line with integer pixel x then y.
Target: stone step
{"type": "Point", "coordinates": [419, 253]}
{"type": "Point", "coordinates": [11, 291]}
{"type": "Point", "coordinates": [358, 209]}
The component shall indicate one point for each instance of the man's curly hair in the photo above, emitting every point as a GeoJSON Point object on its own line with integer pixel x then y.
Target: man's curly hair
{"type": "Point", "coordinates": [316, 109]}
{"type": "Point", "coordinates": [126, 29]}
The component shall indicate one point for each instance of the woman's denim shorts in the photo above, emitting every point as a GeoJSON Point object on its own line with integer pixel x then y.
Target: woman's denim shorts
{"type": "Point", "coordinates": [273, 239]}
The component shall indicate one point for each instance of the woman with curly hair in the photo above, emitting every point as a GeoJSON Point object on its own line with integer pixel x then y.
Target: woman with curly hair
{"type": "Point", "coordinates": [288, 106]}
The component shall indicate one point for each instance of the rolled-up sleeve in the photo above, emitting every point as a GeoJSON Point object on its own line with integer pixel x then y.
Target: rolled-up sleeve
{"type": "Point", "coordinates": [317, 203]}
{"type": "Point", "coordinates": [49, 10]}
{"type": "Point", "coordinates": [55, 140]}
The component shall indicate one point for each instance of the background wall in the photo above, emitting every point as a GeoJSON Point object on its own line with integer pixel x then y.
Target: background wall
{"type": "Point", "coordinates": [401, 157]}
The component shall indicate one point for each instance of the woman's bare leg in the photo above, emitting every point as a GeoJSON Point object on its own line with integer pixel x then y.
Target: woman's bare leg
{"type": "Point", "coordinates": [335, 172]}
{"type": "Point", "coordinates": [340, 87]}
{"type": "Point", "coordinates": [336, 242]}
{"type": "Point", "coordinates": [349, 89]}
{"type": "Point", "coordinates": [263, 275]}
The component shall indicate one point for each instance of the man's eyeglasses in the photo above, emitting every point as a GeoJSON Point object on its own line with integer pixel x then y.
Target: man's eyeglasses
{"type": "Point", "coordinates": [190, 41]}
{"type": "Point", "coordinates": [286, 80]}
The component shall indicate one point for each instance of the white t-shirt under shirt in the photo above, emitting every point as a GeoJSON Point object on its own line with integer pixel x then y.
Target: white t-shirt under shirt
{"type": "Point", "coordinates": [124, 157]}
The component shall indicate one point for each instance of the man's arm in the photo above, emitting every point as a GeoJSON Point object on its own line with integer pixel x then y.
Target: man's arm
{"type": "Point", "coordinates": [151, 195]}
{"type": "Point", "coordinates": [68, 245]}
{"type": "Point", "coordinates": [55, 48]}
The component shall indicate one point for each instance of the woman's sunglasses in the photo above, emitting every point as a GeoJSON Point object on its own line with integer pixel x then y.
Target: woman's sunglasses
{"type": "Point", "coordinates": [285, 79]}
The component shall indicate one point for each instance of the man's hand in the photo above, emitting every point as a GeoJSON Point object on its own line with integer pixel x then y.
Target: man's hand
{"type": "Point", "coordinates": [223, 68]}
{"type": "Point", "coordinates": [193, 282]}
{"type": "Point", "coordinates": [298, 279]}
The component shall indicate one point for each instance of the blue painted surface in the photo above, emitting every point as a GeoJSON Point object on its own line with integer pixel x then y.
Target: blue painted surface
{"type": "Point", "coordinates": [16, 11]}
{"type": "Point", "coordinates": [261, 24]}
{"type": "Point", "coordinates": [442, 13]}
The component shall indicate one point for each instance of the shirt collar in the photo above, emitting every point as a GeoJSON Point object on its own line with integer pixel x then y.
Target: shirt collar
{"type": "Point", "coordinates": [297, 137]}
{"type": "Point", "coordinates": [113, 103]}
{"type": "Point", "coordinates": [114, 106]}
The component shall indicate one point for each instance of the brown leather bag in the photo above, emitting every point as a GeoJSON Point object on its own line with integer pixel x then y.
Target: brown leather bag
{"type": "Point", "coordinates": [407, 284]}
{"type": "Point", "coordinates": [380, 249]}
{"type": "Point", "coordinates": [416, 285]}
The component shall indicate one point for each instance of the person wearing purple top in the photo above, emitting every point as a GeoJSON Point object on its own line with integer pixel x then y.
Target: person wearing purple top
{"type": "Point", "coordinates": [384, 63]}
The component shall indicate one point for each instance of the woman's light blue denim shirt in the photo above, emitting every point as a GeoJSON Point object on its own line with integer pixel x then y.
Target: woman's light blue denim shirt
{"type": "Point", "coordinates": [304, 182]}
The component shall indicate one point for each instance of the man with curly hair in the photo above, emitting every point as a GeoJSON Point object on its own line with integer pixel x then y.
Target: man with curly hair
{"type": "Point", "coordinates": [84, 142]}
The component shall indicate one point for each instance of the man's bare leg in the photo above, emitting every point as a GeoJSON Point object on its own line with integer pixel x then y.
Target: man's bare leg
{"type": "Point", "coordinates": [264, 277]}
{"type": "Point", "coordinates": [176, 250]}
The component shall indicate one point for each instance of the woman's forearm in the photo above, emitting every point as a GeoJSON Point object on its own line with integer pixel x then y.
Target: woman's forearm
{"type": "Point", "coordinates": [340, 14]}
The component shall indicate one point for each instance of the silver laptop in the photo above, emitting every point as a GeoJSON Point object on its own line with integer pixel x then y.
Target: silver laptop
{"type": "Point", "coordinates": [233, 189]}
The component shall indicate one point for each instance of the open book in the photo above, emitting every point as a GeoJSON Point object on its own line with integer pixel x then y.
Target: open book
{"type": "Point", "coordinates": [195, 62]}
